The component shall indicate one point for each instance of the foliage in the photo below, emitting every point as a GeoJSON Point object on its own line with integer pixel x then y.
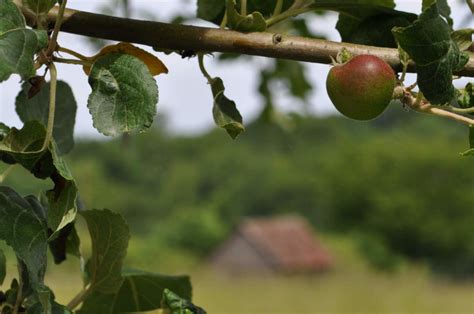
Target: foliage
{"type": "Point", "coordinates": [123, 100]}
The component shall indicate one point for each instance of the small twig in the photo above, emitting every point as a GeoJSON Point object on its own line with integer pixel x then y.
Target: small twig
{"type": "Point", "coordinates": [423, 106]}
{"type": "Point", "coordinates": [224, 21]}
{"type": "Point", "coordinates": [78, 299]}
{"type": "Point", "coordinates": [57, 26]}
{"type": "Point", "coordinates": [456, 109]}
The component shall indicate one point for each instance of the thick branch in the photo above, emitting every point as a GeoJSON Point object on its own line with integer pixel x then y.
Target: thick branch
{"type": "Point", "coordinates": [201, 39]}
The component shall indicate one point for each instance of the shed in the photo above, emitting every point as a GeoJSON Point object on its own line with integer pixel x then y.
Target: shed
{"type": "Point", "coordinates": [272, 245]}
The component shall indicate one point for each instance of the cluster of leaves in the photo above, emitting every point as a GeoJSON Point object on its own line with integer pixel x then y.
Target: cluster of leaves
{"type": "Point", "coordinates": [123, 99]}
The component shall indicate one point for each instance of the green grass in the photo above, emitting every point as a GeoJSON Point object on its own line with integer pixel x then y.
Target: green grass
{"type": "Point", "coordinates": [351, 287]}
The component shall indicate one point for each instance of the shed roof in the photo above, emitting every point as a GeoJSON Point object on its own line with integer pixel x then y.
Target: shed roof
{"type": "Point", "coordinates": [287, 243]}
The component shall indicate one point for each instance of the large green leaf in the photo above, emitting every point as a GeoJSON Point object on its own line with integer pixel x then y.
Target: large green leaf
{"type": "Point", "coordinates": [443, 7]}
{"type": "Point", "coordinates": [109, 234]}
{"type": "Point", "coordinates": [3, 267]}
{"type": "Point", "coordinates": [140, 291]}
{"type": "Point", "coordinates": [124, 94]}
{"type": "Point", "coordinates": [23, 226]}
{"type": "Point", "coordinates": [37, 108]}
{"type": "Point", "coordinates": [39, 6]}
{"type": "Point", "coordinates": [17, 43]}
{"type": "Point", "coordinates": [367, 22]}
{"type": "Point", "coordinates": [428, 42]}
{"type": "Point", "coordinates": [225, 112]}
{"type": "Point", "coordinates": [21, 147]}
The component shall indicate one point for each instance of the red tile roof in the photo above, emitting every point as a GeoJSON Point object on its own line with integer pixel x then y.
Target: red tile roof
{"type": "Point", "coordinates": [287, 243]}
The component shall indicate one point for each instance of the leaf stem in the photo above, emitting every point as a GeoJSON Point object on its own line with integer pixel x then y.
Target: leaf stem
{"type": "Point", "coordinates": [278, 7]}
{"type": "Point", "coordinates": [78, 299]}
{"type": "Point", "coordinates": [456, 109]}
{"type": "Point", "coordinates": [52, 105]}
{"type": "Point", "coordinates": [203, 68]}
{"type": "Point", "coordinates": [57, 26]}
{"type": "Point", "coordinates": [287, 14]}
{"type": "Point", "coordinates": [224, 21]}
{"type": "Point", "coordinates": [6, 173]}
{"type": "Point", "coordinates": [73, 53]}
{"type": "Point", "coordinates": [71, 61]}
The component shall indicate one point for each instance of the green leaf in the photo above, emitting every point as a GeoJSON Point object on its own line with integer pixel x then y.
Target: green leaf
{"type": "Point", "coordinates": [124, 94]}
{"type": "Point", "coordinates": [443, 8]}
{"type": "Point", "coordinates": [466, 97]}
{"type": "Point", "coordinates": [140, 291]}
{"type": "Point", "coordinates": [254, 22]}
{"type": "Point", "coordinates": [37, 108]}
{"type": "Point", "coordinates": [367, 22]}
{"type": "Point", "coordinates": [4, 130]}
{"type": "Point", "coordinates": [17, 43]}
{"type": "Point", "coordinates": [210, 10]}
{"type": "Point", "coordinates": [23, 226]}
{"type": "Point", "coordinates": [463, 38]}
{"type": "Point", "coordinates": [428, 42]}
{"type": "Point", "coordinates": [109, 234]}
{"type": "Point", "coordinates": [3, 267]}
{"type": "Point", "coordinates": [177, 305]}
{"type": "Point", "coordinates": [225, 111]}
{"type": "Point", "coordinates": [39, 6]}
{"type": "Point", "coordinates": [66, 242]}
{"type": "Point", "coordinates": [21, 147]}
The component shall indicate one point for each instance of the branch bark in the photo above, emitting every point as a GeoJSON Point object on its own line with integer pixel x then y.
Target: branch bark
{"type": "Point", "coordinates": [163, 36]}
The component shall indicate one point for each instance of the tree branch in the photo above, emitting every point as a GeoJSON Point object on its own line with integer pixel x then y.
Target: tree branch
{"type": "Point", "coordinates": [201, 39]}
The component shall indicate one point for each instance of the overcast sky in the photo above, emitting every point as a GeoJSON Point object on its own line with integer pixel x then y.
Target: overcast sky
{"type": "Point", "coordinates": [185, 98]}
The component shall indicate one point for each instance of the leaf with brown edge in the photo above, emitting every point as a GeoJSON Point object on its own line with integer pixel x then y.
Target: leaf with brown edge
{"type": "Point", "coordinates": [155, 65]}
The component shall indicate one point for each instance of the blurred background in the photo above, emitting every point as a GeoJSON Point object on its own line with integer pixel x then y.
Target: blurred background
{"type": "Point", "coordinates": [383, 209]}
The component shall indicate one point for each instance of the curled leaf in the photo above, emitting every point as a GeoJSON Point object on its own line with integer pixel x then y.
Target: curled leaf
{"type": "Point", "coordinates": [155, 65]}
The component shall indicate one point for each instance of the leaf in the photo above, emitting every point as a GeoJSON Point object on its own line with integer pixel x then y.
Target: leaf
{"type": "Point", "coordinates": [428, 42]}
{"type": "Point", "coordinates": [443, 8]}
{"type": "Point", "coordinates": [23, 226]}
{"type": "Point", "coordinates": [37, 108]}
{"type": "Point", "coordinates": [367, 22]}
{"type": "Point", "coordinates": [3, 267]}
{"type": "Point", "coordinates": [39, 6]}
{"type": "Point", "coordinates": [21, 147]}
{"type": "Point", "coordinates": [4, 130]}
{"type": "Point", "coordinates": [109, 234]}
{"type": "Point", "coordinates": [466, 97]}
{"type": "Point", "coordinates": [225, 111]}
{"type": "Point", "coordinates": [140, 291]}
{"type": "Point", "coordinates": [66, 242]}
{"type": "Point", "coordinates": [124, 94]}
{"type": "Point", "coordinates": [254, 22]}
{"type": "Point", "coordinates": [177, 305]}
{"type": "Point", "coordinates": [463, 38]}
{"type": "Point", "coordinates": [155, 65]}
{"type": "Point", "coordinates": [17, 43]}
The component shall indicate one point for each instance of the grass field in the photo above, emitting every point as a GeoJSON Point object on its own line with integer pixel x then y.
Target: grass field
{"type": "Point", "coordinates": [351, 287]}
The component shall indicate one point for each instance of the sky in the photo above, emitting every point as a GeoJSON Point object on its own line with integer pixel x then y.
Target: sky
{"type": "Point", "coordinates": [185, 99]}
